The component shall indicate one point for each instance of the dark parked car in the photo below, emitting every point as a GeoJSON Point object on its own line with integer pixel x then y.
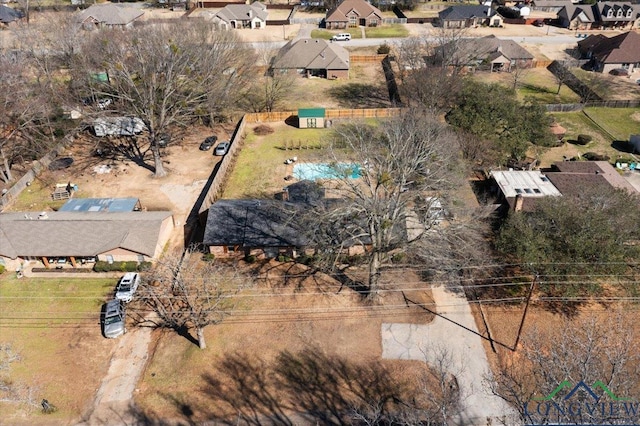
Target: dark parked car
{"type": "Point", "coordinates": [619, 71]}
{"type": "Point", "coordinates": [208, 143]}
{"type": "Point", "coordinates": [222, 148]}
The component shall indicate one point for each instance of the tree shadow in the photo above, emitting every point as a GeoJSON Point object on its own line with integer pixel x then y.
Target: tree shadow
{"type": "Point", "coordinates": [359, 95]}
{"type": "Point", "coordinates": [308, 387]}
{"type": "Point", "coordinates": [537, 89]}
{"type": "Point", "coordinates": [623, 146]}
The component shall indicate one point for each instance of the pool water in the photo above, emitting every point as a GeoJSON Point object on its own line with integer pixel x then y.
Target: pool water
{"type": "Point", "coordinates": [315, 171]}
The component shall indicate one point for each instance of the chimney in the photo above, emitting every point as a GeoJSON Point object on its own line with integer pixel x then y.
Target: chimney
{"type": "Point", "coordinates": [517, 207]}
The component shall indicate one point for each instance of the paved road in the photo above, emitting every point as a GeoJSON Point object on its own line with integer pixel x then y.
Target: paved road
{"type": "Point", "coordinates": [468, 359]}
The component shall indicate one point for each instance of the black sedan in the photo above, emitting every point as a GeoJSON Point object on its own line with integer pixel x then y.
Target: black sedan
{"type": "Point", "coordinates": [208, 143]}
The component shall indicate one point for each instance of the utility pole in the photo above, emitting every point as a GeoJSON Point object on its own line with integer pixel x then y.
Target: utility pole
{"type": "Point", "coordinates": [524, 314]}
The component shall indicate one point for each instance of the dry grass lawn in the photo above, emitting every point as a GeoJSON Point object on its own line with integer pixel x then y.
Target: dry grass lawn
{"type": "Point", "coordinates": [280, 315]}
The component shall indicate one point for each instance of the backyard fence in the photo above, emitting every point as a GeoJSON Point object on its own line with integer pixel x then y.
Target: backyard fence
{"type": "Point", "coordinates": [394, 20]}
{"type": "Point", "coordinates": [628, 103]}
{"type": "Point", "coordinates": [537, 63]}
{"type": "Point", "coordinates": [266, 117]}
{"type": "Point", "coordinates": [366, 59]}
{"type": "Point", "coordinates": [36, 168]}
{"type": "Point", "coordinates": [218, 178]}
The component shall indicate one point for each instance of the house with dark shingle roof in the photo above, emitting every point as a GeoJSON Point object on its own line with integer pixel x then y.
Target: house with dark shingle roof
{"type": "Point", "coordinates": [76, 235]}
{"type": "Point", "coordinates": [313, 58]}
{"type": "Point", "coordinates": [608, 53]}
{"type": "Point", "coordinates": [239, 16]}
{"type": "Point", "coordinates": [9, 15]}
{"type": "Point", "coordinates": [353, 13]}
{"type": "Point", "coordinates": [486, 53]}
{"type": "Point", "coordinates": [465, 16]}
{"type": "Point", "coordinates": [108, 15]}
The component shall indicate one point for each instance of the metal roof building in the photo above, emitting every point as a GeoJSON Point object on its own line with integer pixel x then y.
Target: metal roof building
{"type": "Point", "coordinates": [102, 205]}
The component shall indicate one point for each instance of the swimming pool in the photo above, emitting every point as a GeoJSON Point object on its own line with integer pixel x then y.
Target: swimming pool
{"type": "Point", "coordinates": [315, 171]}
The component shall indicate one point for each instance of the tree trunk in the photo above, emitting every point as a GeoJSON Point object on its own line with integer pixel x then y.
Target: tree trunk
{"type": "Point", "coordinates": [157, 160]}
{"type": "Point", "coordinates": [6, 173]}
{"type": "Point", "coordinates": [374, 275]}
{"type": "Point", "coordinates": [201, 343]}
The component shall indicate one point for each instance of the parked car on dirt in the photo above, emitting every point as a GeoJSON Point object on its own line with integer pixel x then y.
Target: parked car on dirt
{"type": "Point", "coordinates": [208, 143]}
{"type": "Point", "coordinates": [222, 148]}
{"type": "Point", "coordinates": [127, 286]}
{"type": "Point", "coordinates": [112, 319]}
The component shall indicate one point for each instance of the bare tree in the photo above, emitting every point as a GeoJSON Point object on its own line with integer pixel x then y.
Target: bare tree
{"type": "Point", "coordinates": [188, 296]}
{"type": "Point", "coordinates": [268, 91]}
{"type": "Point", "coordinates": [25, 112]}
{"type": "Point", "coordinates": [596, 358]}
{"type": "Point", "coordinates": [407, 163]}
{"type": "Point", "coordinates": [11, 390]}
{"type": "Point", "coordinates": [165, 75]}
{"type": "Point", "coordinates": [517, 74]}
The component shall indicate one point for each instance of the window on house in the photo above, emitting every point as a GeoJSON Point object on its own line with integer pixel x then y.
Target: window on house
{"type": "Point", "coordinates": [109, 259]}
{"type": "Point", "coordinates": [257, 24]}
{"type": "Point", "coordinates": [610, 13]}
{"type": "Point", "coordinates": [518, 191]}
{"type": "Point", "coordinates": [619, 14]}
{"type": "Point", "coordinates": [311, 122]}
{"type": "Point", "coordinates": [629, 13]}
{"type": "Point", "coordinates": [353, 21]}
{"type": "Point", "coordinates": [537, 191]}
{"type": "Point", "coordinates": [528, 191]}
{"type": "Point", "coordinates": [141, 258]}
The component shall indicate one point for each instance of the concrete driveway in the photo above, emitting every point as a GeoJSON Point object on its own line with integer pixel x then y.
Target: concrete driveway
{"type": "Point", "coordinates": [467, 356]}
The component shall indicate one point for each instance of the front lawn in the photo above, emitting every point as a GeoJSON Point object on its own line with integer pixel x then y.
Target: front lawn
{"type": "Point", "coordinates": [327, 34]}
{"type": "Point", "coordinates": [387, 31]}
{"type": "Point", "coordinates": [54, 326]}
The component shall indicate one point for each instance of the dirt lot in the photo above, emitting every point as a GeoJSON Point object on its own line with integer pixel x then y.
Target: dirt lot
{"type": "Point", "coordinates": [283, 315]}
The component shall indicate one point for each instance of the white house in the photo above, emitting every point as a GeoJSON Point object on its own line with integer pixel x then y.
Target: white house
{"type": "Point", "coordinates": [238, 16]}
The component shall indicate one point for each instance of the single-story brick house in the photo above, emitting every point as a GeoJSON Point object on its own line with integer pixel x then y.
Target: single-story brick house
{"type": "Point", "coordinates": [486, 53]}
{"type": "Point", "coordinates": [312, 57]}
{"type": "Point", "coordinates": [110, 15]}
{"type": "Point", "coordinates": [73, 237]}
{"type": "Point", "coordinates": [466, 16]}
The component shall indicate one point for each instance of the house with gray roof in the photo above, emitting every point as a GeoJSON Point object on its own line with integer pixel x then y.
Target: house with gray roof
{"type": "Point", "coordinates": [577, 17]}
{"type": "Point", "coordinates": [239, 16]}
{"type": "Point", "coordinates": [313, 58]}
{"type": "Point", "coordinates": [9, 15]}
{"type": "Point", "coordinates": [616, 15]}
{"type": "Point", "coordinates": [465, 16]}
{"type": "Point", "coordinates": [71, 237]}
{"type": "Point", "coordinates": [244, 227]}
{"type": "Point", "coordinates": [486, 53]}
{"type": "Point", "coordinates": [109, 15]}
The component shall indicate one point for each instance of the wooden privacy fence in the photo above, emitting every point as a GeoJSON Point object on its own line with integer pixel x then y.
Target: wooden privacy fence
{"type": "Point", "coordinates": [214, 187]}
{"type": "Point", "coordinates": [366, 59]}
{"type": "Point", "coordinates": [266, 117]}
{"type": "Point", "coordinates": [537, 63]}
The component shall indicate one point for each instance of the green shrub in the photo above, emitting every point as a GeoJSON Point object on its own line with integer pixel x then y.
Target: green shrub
{"type": "Point", "coordinates": [594, 156]}
{"type": "Point", "coordinates": [305, 259]}
{"type": "Point", "coordinates": [398, 258]}
{"type": "Point", "coordinates": [144, 266]}
{"type": "Point", "coordinates": [101, 266]}
{"type": "Point", "coordinates": [208, 257]}
{"type": "Point", "coordinates": [2, 269]}
{"type": "Point", "coordinates": [584, 139]}
{"type": "Point", "coordinates": [384, 49]}
{"type": "Point", "coordinates": [250, 258]}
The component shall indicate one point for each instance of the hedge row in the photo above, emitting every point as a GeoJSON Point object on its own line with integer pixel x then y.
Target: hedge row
{"type": "Point", "coordinates": [71, 270]}
{"type": "Point", "coordinates": [131, 266]}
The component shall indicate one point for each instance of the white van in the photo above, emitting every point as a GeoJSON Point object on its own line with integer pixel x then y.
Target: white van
{"type": "Point", "coordinates": [341, 37]}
